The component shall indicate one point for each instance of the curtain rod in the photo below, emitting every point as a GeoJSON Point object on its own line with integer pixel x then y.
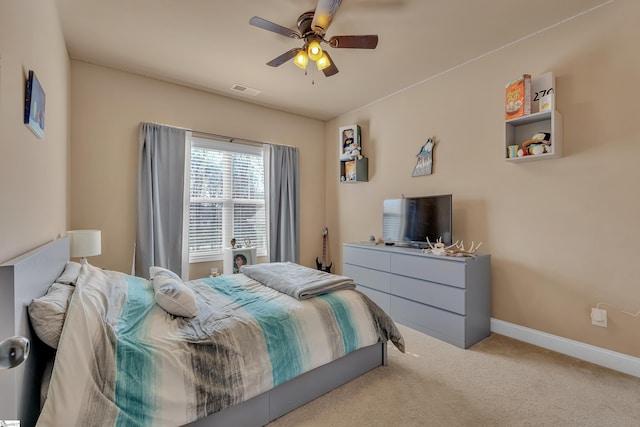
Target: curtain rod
{"type": "Point", "coordinates": [217, 136]}
{"type": "Point", "coordinates": [229, 138]}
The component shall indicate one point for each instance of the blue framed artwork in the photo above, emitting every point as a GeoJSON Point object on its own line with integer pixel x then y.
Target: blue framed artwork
{"type": "Point", "coordinates": [34, 105]}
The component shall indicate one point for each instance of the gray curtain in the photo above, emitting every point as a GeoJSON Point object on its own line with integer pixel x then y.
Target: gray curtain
{"type": "Point", "coordinates": [284, 204]}
{"type": "Point", "coordinates": [161, 175]}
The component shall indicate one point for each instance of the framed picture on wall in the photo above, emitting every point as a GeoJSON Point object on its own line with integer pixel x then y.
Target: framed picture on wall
{"type": "Point", "coordinates": [34, 104]}
{"type": "Point", "coordinates": [242, 257]}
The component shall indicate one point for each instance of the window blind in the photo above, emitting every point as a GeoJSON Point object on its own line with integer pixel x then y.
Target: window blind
{"type": "Point", "coordinates": [227, 198]}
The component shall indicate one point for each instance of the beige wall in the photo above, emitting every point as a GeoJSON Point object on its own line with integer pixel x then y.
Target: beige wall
{"type": "Point", "coordinates": [562, 233]}
{"type": "Point", "coordinates": [107, 107]}
{"type": "Point", "coordinates": [33, 172]}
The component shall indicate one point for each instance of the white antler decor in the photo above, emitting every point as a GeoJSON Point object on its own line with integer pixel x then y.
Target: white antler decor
{"type": "Point", "coordinates": [457, 249]}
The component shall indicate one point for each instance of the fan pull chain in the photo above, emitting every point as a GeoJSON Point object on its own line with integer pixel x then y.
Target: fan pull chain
{"type": "Point", "coordinates": [313, 80]}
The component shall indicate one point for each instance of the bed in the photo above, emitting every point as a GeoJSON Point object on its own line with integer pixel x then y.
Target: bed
{"type": "Point", "coordinates": [262, 396]}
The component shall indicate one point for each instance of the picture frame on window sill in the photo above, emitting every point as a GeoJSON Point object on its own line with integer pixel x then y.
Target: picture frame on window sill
{"type": "Point", "coordinates": [242, 257]}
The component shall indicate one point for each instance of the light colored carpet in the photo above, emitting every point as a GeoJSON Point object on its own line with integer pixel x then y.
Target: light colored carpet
{"type": "Point", "coordinates": [497, 382]}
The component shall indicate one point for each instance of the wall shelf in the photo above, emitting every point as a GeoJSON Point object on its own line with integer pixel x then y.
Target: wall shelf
{"type": "Point", "coordinates": [521, 129]}
{"type": "Point", "coordinates": [356, 170]}
{"type": "Point", "coordinates": [354, 167]}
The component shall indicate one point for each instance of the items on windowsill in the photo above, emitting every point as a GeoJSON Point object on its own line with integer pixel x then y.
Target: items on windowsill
{"type": "Point", "coordinates": [233, 243]}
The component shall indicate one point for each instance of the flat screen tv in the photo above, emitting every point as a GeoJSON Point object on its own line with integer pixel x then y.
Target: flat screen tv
{"type": "Point", "coordinates": [412, 220]}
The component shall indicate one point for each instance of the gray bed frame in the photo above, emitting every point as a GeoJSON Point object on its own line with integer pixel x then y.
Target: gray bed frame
{"type": "Point", "coordinates": [22, 279]}
{"type": "Point", "coordinates": [28, 276]}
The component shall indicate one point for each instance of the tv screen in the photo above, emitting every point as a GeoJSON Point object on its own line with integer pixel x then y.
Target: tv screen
{"type": "Point", "coordinates": [413, 220]}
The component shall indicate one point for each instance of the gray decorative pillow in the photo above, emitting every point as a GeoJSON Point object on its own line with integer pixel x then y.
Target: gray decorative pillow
{"type": "Point", "coordinates": [48, 312]}
{"type": "Point", "coordinates": [172, 294]}
{"type": "Point", "coordinates": [70, 274]}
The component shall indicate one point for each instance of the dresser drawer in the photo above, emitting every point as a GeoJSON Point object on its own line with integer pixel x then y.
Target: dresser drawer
{"type": "Point", "coordinates": [434, 294]}
{"type": "Point", "coordinates": [441, 324]}
{"type": "Point", "coordinates": [441, 270]}
{"type": "Point", "coordinates": [378, 260]}
{"type": "Point", "coordinates": [446, 297]}
{"type": "Point", "coordinates": [370, 278]}
{"type": "Point", "coordinates": [380, 298]}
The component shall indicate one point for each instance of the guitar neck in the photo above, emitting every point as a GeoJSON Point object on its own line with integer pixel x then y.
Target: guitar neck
{"type": "Point", "coordinates": [324, 250]}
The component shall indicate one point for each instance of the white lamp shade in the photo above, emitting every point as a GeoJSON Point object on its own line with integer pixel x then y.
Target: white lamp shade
{"type": "Point", "coordinates": [85, 243]}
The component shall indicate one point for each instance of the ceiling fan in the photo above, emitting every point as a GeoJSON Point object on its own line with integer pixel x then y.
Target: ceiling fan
{"type": "Point", "coordinates": [312, 27]}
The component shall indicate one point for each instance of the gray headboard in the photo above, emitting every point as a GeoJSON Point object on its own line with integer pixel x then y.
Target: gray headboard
{"type": "Point", "coordinates": [22, 279]}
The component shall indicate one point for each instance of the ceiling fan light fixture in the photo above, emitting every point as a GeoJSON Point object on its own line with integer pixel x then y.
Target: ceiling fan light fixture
{"type": "Point", "coordinates": [301, 59]}
{"type": "Point", "coordinates": [323, 62]}
{"type": "Point", "coordinates": [314, 50]}
{"type": "Point", "coordinates": [311, 29]}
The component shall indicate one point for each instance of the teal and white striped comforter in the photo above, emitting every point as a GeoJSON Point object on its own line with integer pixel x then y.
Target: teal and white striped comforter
{"type": "Point", "coordinates": [123, 361]}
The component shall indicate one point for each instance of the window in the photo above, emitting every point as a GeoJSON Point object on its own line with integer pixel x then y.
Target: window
{"type": "Point", "coordinates": [226, 198]}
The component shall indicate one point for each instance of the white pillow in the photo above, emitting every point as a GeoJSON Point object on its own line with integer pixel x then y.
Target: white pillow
{"type": "Point", "coordinates": [155, 271]}
{"type": "Point", "coordinates": [172, 294]}
{"type": "Point", "coordinates": [48, 312]}
{"type": "Point", "coordinates": [70, 274]}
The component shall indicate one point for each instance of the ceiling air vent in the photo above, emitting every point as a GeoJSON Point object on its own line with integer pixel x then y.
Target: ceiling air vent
{"type": "Point", "coordinates": [245, 90]}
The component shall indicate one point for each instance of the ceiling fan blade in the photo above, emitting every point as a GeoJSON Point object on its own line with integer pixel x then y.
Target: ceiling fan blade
{"type": "Point", "coordinates": [354, 42]}
{"type": "Point", "coordinates": [273, 27]}
{"type": "Point", "coordinates": [322, 17]}
{"type": "Point", "coordinates": [331, 69]}
{"type": "Point", "coordinates": [276, 62]}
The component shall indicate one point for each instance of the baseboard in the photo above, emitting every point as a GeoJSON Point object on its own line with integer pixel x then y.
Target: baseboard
{"type": "Point", "coordinates": [600, 356]}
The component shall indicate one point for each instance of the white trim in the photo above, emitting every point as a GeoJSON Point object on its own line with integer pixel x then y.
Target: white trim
{"type": "Point", "coordinates": [266, 152]}
{"type": "Point", "coordinates": [600, 356]}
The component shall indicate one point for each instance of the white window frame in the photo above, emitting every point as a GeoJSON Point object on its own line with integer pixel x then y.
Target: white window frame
{"type": "Point", "coordinates": [227, 201]}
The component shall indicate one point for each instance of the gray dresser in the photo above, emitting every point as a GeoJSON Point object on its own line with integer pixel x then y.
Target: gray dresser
{"type": "Point", "coordinates": [448, 298]}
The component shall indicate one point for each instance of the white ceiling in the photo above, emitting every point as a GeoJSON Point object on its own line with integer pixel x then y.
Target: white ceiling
{"type": "Point", "coordinates": [209, 44]}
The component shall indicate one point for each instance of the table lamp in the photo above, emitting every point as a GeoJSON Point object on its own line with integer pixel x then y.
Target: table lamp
{"type": "Point", "coordinates": [85, 243]}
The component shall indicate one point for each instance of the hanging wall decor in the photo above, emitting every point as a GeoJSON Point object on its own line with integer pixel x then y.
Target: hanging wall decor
{"type": "Point", "coordinates": [425, 159]}
{"type": "Point", "coordinates": [34, 105]}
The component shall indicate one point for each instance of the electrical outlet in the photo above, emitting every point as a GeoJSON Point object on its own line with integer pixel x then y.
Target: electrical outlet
{"type": "Point", "coordinates": [599, 317]}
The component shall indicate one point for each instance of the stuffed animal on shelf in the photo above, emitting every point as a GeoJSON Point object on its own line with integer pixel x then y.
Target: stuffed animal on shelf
{"type": "Point", "coordinates": [352, 151]}
{"type": "Point", "coordinates": [539, 143]}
